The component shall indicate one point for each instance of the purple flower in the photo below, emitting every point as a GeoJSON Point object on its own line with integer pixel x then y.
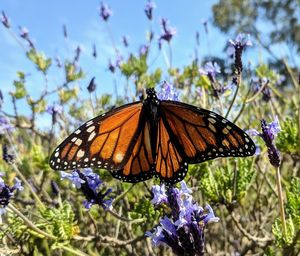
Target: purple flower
{"type": "Point", "coordinates": [210, 69]}
{"type": "Point", "coordinates": [269, 132]}
{"type": "Point", "coordinates": [105, 11]}
{"type": "Point", "coordinates": [73, 177]}
{"type": "Point", "coordinates": [183, 231]}
{"type": "Point", "coordinates": [144, 49]}
{"type": "Point", "coordinates": [58, 61]}
{"type": "Point", "coordinates": [149, 9]}
{"type": "Point", "coordinates": [92, 85]}
{"type": "Point", "coordinates": [77, 53]}
{"type": "Point", "coordinates": [54, 110]}
{"type": "Point", "coordinates": [5, 125]}
{"type": "Point", "coordinates": [54, 187]}
{"type": "Point", "coordinates": [125, 41]}
{"type": "Point", "coordinates": [198, 38]}
{"type": "Point", "coordinates": [168, 32]}
{"type": "Point", "coordinates": [89, 183]}
{"type": "Point", "coordinates": [24, 32]}
{"type": "Point", "coordinates": [241, 40]}
{"type": "Point", "coordinates": [205, 22]}
{"type": "Point", "coordinates": [5, 20]}
{"type": "Point", "coordinates": [262, 82]}
{"type": "Point", "coordinates": [6, 192]}
{"type": "Point", "coordinates": [7, 156]}
{"type": "Point", "coordinates": [237, 46]}
{"type": "Point", "coordinates": [111, 66]}
{"type": "Point", "coordinates": [94, 51]}
{"type": "Point", "coordinates": [65, 31]}
{"type": "Point", "coordinates": [168, 92]}
{"type": "Point", "coordinates": [159, 194]}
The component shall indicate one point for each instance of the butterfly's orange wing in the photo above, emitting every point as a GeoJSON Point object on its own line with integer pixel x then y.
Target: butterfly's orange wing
{"type": "Point", "coordinates": [170, 163]}
{"type": "Point", "coordinates": [203, 134]}
{"type": "Point", "coordinates": [140, 165]}
{"type": "Point", "coordinates": [105, 141]}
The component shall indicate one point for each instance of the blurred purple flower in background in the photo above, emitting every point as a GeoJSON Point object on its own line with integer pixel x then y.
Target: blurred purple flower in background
{"type": "Point", "coordinates": [58, 61]}
{"type": "Point", "coordinates": [105, 11]}
{"type": "Point", "coordinates": [94, 51]}
{"type": "Point", "coordinates": [6, 192]}
{"type": "Point", "coordinates": [5, 20]}
{"type": "Point", "coordinates": [92, 85]}
{"type": "Point", "coordinates": [149, 9]}
{"type": "Point", "coordinates": [89, 183]}
{"type": "Point", "coordinates": [210, 69]}
{"type": "Point", "coordinates": [54, 109]}
{"type": "Point", "coordinates": [144, 49]}
{"type": "Point", "coordinates": [77, 53]}
{"type": "Point", "coordinates": [205, 25]}
{"type": "Point", "coordinates": [183, 231]}
{"type": "Point", "coordinates": [258, 83]}
{"type": "Point", "coordinates": [5, 125]}
{"type": "Point", "coordinates": [168, 32]}
{"type": "Point", "coordinates": [7, 156]}
{"type": "Point", "coordinates": [111, 66]}
{"type": "Point", "coordinates": [125, 41]}
{"type": "Point", "coordinates": [65, 31]}
{"type": "Point", "coordinates": [24, 32]}
{"type": "Point", "coordinates": [168, 92]}
{"type": "Point", "coordinates": [241, 41]}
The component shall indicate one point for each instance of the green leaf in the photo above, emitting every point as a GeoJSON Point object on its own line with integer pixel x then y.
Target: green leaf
{"type": "Point", "coordinates": [20, 90]}
{"type": "Point", "coordinates": [288, 139]}
{"type": "Point", "coordinates": [65, 95]}
{"type": "Point", "coordinates": [40, 60]}
{"type": "Point", "coordinates": [72, 72]}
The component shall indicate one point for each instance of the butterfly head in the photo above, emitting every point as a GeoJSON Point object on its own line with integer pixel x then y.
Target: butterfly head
{"type": "Point", "coordinates": [151, 93]}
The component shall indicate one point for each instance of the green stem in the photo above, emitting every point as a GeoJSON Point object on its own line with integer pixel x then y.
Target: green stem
{"type": "Point", "coordinates": [239, 82]}
{"type": "Point", "coordinates": [123, 194]}
{"type": "Point", "coordinates": [280, 199]}
{"type": "Point", "coordinates": [73, 251]}
{"type": "Point", "coordinates": [170, 55]}
{"type": "Point", "coordinates": [36, 197]}
{"type": "Point", "coordinates": [29, 224]}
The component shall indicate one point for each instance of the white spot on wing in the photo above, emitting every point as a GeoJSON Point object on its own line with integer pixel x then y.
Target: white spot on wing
{"type": "Point", "coordinates": [119, 157]}
{"type": "Point", "coordinates": [90, 129]}
{"type": "Point", "coordinates": [89, 123]}
{"type": "Point", "coordinates": [92, 135]}
{"type": "Point", "coordinates": [78, 142]}
{"type": "Point", "coordinates": [80, 153]}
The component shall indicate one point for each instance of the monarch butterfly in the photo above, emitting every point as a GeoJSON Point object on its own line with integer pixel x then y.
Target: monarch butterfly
{"type": "Point", "coordinates": [151, 138]}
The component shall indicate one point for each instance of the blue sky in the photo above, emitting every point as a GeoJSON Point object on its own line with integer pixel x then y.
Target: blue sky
{"type": "Point", "coordinates": [44, 20]}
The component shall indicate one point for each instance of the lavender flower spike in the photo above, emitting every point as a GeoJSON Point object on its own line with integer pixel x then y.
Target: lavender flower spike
{"type": "Point", "coordinates": [105, 11]}
{"type": "Point", "coordinates": [237, 46]}
{"type": "Point", "coordinates": [183, 231]}
{"type": "Point", "coordinates": [210, 69]}
{"type": "Point", "coordinates": [168, 32]}
{"type": "Point", "coordinates": [89, 183]}
{"type": "Point", "coordinates": [7, 192]}
{"type": "Point", "coordinates": [168, 92]}
{"type": "Point", "coordinates": [149, 9]}
{"type": "Point", "coordinates": [269, 132]}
